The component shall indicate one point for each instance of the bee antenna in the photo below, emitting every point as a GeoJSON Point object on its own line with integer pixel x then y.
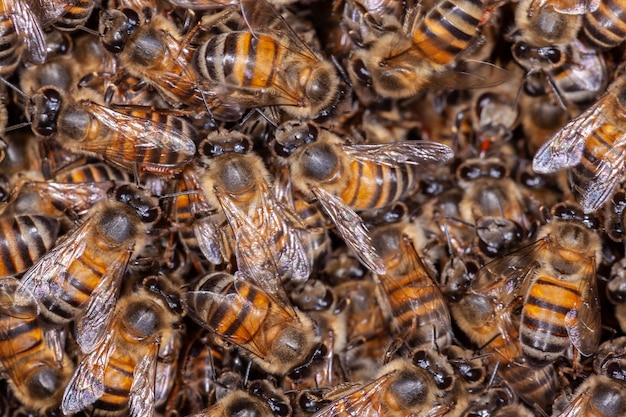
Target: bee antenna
{"type": "Point", "coordinates": [16, 88]}
{"type": "Point", "coordinates": [17, 126]}
{"type": "Point", "coordinates": [448, 240]}
{"type": "Point", "coordinates": [88, 30]}
{"type": "Point", "coordinates": [461, 221]}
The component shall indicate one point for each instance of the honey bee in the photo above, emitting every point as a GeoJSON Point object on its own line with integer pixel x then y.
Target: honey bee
{"type": "Point", "coordinates": [399, 389]}
{"type": "Point", "coordinates": [401, 62]}
{"type": "Point", "coordinates": [604, 27]}
{"type": "Point", "coordinates": [277, 336]}
{"type": "Point", "coordinates": [417, 310]}
{"type": "Point", "coordinates": [141, 138]}
{"type": "Point", "coordinates": [268, 241]}
{"type": "Point", "coordinates": [546, 24]}
{"type": "Point", "coordinates": [121, 377]}
{"type": "Point", "coordinates": [152, 49]}
{"type": "Point", "coordinates": [79, 278]}
{"type": "Point", "coordinates": [22, 33]}
{"type": "Point", "coordinates": [36, 377]}
{"type": "Point", "coordinates": [491, 326]}
{"type": "Point", "coordinates": [267, 65]}
{"type": "Point", "coordinates": [347, 178]}
{"type": "Point", "coordinates": [589, 146]}
{"type": "Point", "coordinates": [598, 395]}
{"type": "Point", "coordinates": [262, 400]}
{"type": "Point", "coordinates": [556, 277]}
{"type": "Point", "coordinates": [576, 73]}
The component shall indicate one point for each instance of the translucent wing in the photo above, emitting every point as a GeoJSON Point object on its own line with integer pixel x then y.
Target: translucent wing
{"type": "Point", "coordinates": [362, 402]}
{"type": "Point", "coordinates": [470, 74]}
{"type": "Point", "coordinates": [414, 153]}
{"type": "Point", "coordinates": [87, 384]}
{"type": "Point", "coordinates": [267, 240]}
{"type": "Point", "coordinates": [143, 134]}
{"type": "Point", "coordinates": [564, 148]}
{"type": "Point", "coordinates": [76, 197]}
{"type": "Point", "coordinates": [28, 27]}
{"type": "Point", "coordinates": [351, 228]}
{"type": "Point", "coordinates": [93, 325]}
{"type": "Point", "coordinates": [576, 7]}
{"type": "Point", "coordinates": [38, 280]}
{"type": "Point", "coordinates": [508, 277]}
{"type": "Point", "coordinates": [583, 321]}
{"type": "Point", "coordinates": [141, 402]}
{"type": "Point", "coordinates": [208, 235]}
{"type": "Point", "coordinates": [579, 405]}
{"type": "Point", "coordinates": [27, 307]}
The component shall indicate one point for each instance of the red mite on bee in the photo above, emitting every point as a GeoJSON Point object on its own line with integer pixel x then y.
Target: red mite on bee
{"type": "Point", "coordinates": [327, 207]}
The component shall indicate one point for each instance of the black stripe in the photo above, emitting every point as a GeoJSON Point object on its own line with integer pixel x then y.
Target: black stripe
{"type": "Point", "coordinates": [230, 52]}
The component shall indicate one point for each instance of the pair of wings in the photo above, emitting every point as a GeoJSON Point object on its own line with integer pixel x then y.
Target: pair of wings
{"type": "Point", "coordinates": [87, 384]}
{"type": "Point", "coordinates": [141, 134]}
{"type": "Point", "coordinates": [236, 302]}
{"type": "Point", "coordinates": [348, 223]}
{"type": "Point", "coordinates": [507, 278]}
{"type": "Point", "coordinates": [594, 130]}
{"type": "Point", "coordinates": [94, 321]}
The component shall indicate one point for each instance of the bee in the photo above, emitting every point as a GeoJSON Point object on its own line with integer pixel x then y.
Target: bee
{"type": "Point", "coordinates": [546, 24]}
{"type": "Point", "coordinates": [576, 73]}
{"type": "Point", "coordinates": [603, 27]}
{"type": "Point", "coordinates": [416, 308]}
{"type": "Point", "coordinates": [152, 49]}
{"type": "Point", "coordinates": [121, 377]}
{"type": "Point", "coordinates": [22, 34]}
{"type": "Point", "coordinates": [399, 389]}
{"type": "Point", "coordinates": [79, 278]}
{"type": "Point", "coordinates": [401, 62]}
{"type": "Point", "coordinates": [261, 400]}
{"type": "Point", "coordinates": [268, 242]}
{"type": "Point", "coordinates": [128, 139]}
{"type": "Point", "coordinates": [346, 178]}
{"type": "Point", "coordinates": [277, 336]}
{"type": "Point", "coordinates": [589, 146]}
{"type": "Point", "coordinates": [491, 326]}
{"type": "Point", "coordinates": [267, 65]}
{"type": "Point", "coordinates": [598, 395]}
{"type": "Point", "coordinates": [494, 203]}
{"type": "Point", "coordinates": [36, 377]}
{"type": "Point", "coordinates": [556, 277]}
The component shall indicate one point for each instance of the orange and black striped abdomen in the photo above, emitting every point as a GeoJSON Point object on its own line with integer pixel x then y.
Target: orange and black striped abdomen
{"type": "Point", "coordinates": [447, 30]}
{"type": "Point", "coordinates": [606, 26]}
{"type": "Point", "coordinates": [373, 186]}
{"type": "Point", "coordinates": [10, 45]}
{"type": "Point", "coordinates": [543, 334]}
{"type": "Point", "coordinates": [118, 378]}
{"type": "Point", "coordinates": [242, 59]}
{"type": "Point", "coordinates": [23, 240]}
{"type": "Point", "coordinates": [76, 14]}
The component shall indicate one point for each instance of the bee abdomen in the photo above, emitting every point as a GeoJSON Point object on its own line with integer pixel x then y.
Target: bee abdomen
{"type": "Point", "coordinates": [606, 27]}
{"type": "Point", "coordinates": [24, 239]}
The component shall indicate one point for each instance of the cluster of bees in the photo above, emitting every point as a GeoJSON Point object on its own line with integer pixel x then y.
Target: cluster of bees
{"type": "Point", "coordinates": [328, 208]}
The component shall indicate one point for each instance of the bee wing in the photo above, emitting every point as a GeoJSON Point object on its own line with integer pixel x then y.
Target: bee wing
{"type": "Point", "coordinates": [270, 221]}
{"type": "Point", "coordinates": [38, 279]}
{"type": "Point", "coordinates": [470, 74]}
{"type": "Point", "coordinates": [28, 27]}
{"type": "Point", "coordinates": [351, 228]}
{"type": "Point", "coordinates": [583, 322]}
{"type": "Point", "coordinates": [405, 152]}
{"type": "Point", "coordinates": [361, 402]}
{"type": "Point", "coordinates": [579, 405]}
{"type": "Point", "coordinates": [577, 7]}
{"type": "Point", "coordinates": [93, 325]}
{"type": "Point", "coordinates": [143, 133]}
{"type": "Point", "coordinates": [87, 384]}
{"type": "Point", "coordinates": [77, 197]}
{"type": "Point", "coordinates": [141, 401]}
{"type": "Point", "coordinates": [207, 233]}
{"type": "Point", "coordinates": [508, 277]}
{"type": "Point", "coordinates": [55, 338]}
{"type": "Point", "coordinates": [24, 308]}
{"type": "Point", "coordinates": [564, 148]}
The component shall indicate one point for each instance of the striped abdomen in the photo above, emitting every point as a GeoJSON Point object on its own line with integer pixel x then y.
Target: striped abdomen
{"type": "Point", "coordinates": [543, 334]}
{"type": "Point", "coordinates": [606, 26]}
{"type": "Point", "coordinates": [75, 15]}
{"type": "Point", "coordinates": [93, 172]}
{"type": "Point", "coordinates": [118, 378]}
{"type": "Point", "coordinates": [23, 240]}
{"type": "Point", "coordinates": [447, 30]}
{"type": "Point", "coordinates": [241, 59]}
{"type": "Point", "coordinates": [373, 186]}
{"type": "Point", "coordinates": [10, 46]}
{"type": "Point", "coordinates": [418, 312]}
